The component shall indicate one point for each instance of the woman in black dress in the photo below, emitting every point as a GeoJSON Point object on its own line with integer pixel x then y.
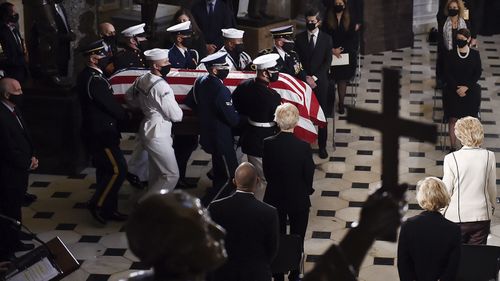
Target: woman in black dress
{"type": "Point", "coordinates": [462, 93]}
{"type": "Point", "coordinates": [345, 41]}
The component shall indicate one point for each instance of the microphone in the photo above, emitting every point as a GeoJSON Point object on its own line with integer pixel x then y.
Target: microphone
{"type": "Point", "coordinates": [11, 220]}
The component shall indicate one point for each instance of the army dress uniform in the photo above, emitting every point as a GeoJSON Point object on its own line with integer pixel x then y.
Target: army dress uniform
{"type": "Point", "coordinates": [101, 114]}
{"type": "Point", "coordinates": [288, 61]}
{"type": "Point", "coordinates": [211, 100]}
{"type": "Point", "coordinates": [128, 57]}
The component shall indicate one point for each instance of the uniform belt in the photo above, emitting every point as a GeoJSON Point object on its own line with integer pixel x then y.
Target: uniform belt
{"type": "Point", "coordinates": [262, 124]}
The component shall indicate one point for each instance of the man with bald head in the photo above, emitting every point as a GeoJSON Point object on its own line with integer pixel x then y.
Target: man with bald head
{"type": "Point", "coordinates": [252, 230]}
{"type": "Point", "coordinates": [16, 161]}
{"type": "Point", "coordinates": [107, 33]}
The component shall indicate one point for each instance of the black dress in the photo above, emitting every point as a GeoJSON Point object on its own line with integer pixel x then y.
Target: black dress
{"type": "Point", "coordinates": [462, 72]}
{"type": "Point", "coordinates": [347, 39]}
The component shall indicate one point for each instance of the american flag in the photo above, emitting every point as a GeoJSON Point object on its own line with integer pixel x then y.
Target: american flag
{"type": "Point", "coordinates": [290, 89]}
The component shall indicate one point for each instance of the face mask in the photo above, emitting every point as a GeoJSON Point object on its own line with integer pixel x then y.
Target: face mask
{"type": "Point", "coordinates": [222, 73]}
{"type": "Point", "coordinates": [273, 76]}
{"type": "Point", "coordinates": [288, 46]}
{"type": "Point", "coordinates": [14, 18]}
{"type": "Point", "coordinates": [165, 69]}
{"type": "Point", "coordinates": [452, 12]}
{"type": "Point", "coordinates": [103, 63]}
{"type": "Point", "coordinates": [338, 8]}
{"type": "Point", "coordinates": [16, 99]}
{"type": "Point", "coordinates": [187, 42]}
{"type": "Point", "coordinates": [311, 26]}
{"type": "Point", "coordinates": [461, 43]}
{"type": "Point", "coordinates": [239, 48]}
{"type": "Point", "coordinates": [110, 40]}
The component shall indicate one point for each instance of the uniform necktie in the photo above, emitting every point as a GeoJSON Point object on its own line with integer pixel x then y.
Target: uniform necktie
{"type": "Point", "coordinates": [311, 43]}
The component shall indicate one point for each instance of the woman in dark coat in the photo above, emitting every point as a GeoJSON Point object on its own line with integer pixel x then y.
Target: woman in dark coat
{"type": "Point", "coordinates": [345, 41]}
{"type": "Point", "coordinates": [462, 93]}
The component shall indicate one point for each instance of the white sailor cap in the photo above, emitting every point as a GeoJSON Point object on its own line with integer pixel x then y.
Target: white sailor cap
{"type": "Point", "coordinates": [156, 54]}
{"type": "Point", "coordinates": [266, 61]}
{"type": "Point", "coordinates": [232, 33]}
{"type": "Point", "coordinates": [181, 28]}
{"type": "Point", "coordinates": [134, 30]}
{"type": "Point", "coordinates": [214, 59]}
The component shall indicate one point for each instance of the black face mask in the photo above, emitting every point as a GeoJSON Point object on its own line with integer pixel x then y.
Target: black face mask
{"type": "Point", "coordinates": [452, 12]}
{"type": "Point", "coordinates": [165, 69]}
{"type": "Point", "coordinates": [103, 63]}
{"type": "Point", "coordinates": [239, 48]}
{"type": "Point", "coordinates": [288, 46]}
{"type": "Point", "coordinates": [338, 8]}
{"type": "Point", "coordinates": [14, 18]}
{"type": "Point", "coordinates": [16, 99]}
{"type": "Point", "coordinates": [461, 43]}
{"type": "Point", "coordinates": [110, 40]}
{"type": "Point", "coordinates": [273, 76]}
{"type": "Point", "coordinates": [187, 42]}
{"type": "Point", "coordinates": [222, 73]}
{"type": "Point", "coordinates": [311, 26]}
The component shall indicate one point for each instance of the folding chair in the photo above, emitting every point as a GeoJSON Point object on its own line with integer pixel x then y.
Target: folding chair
{"type": "Point", "coordinates": [289, 254]}
{"type": "Point", "coordinates": [479, 263]}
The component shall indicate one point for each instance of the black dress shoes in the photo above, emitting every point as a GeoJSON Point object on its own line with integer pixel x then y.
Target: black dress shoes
{"type": "Point", "coordinates": [322, 153]}
{"type": "Point", "coordinates": [96, 213]}
{"type": "Point", "coordinates": [115, 216]}
{"type": "Point", "coordinates": [135, 181]}
{"type": "Point", "coordinates": [185, 184]}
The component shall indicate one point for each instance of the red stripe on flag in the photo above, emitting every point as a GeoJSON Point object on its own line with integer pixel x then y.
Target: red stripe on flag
{"type": "Point", "coordinates": [304, 134]}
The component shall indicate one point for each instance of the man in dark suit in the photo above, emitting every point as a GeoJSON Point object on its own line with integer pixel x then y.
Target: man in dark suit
{"type": "Point", "coordinates": [315, 51]}
{"type": "Point", "coordinates": [252, 230]}
{"type": "Point", "coordinates": [101, 114]}
{"type": "Point", "coordinates": [13, 60]}
{"type": "Point", "coordinates": [16, 161]}
{"type": "Point", "coordinates": [212, 16]}
{"type": "Point", "coordinates": [64, 37]}
{"type": "Point", "coordinates": [289, 171]}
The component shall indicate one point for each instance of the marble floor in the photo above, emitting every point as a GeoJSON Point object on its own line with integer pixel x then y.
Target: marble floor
{"type": "Point", "coordinates": [342, 182]}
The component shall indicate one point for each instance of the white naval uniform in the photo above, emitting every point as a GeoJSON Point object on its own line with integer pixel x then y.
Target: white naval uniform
{"type": "Point", "coordinates": [156, 99]}
{"type": "Point", "coordinates": [245, 60]}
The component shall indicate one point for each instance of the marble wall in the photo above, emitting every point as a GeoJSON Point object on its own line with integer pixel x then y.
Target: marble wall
{"type": "Point", "coordinates": [424, 15]}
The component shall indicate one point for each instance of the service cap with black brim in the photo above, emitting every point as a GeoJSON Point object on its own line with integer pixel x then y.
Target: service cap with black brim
{"type": "Point", "coordinates": [183, 28]}
{"type": "Point", "coordinates": [94, 48]}
{"type": "Point", "coordinates": [217, 60]}
{"type": "Point", "coordinates": [285, 32]}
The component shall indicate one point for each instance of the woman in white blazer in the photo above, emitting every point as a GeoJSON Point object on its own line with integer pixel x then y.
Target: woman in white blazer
{"type": "Point", "coordinates": [470, 177]}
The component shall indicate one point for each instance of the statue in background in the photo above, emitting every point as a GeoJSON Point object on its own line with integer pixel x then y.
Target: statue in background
{"type": "Point", "coordinates": [49, 41]}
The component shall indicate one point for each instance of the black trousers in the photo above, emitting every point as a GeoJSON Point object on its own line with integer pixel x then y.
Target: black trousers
{"type": "Point", "coordinates": [475, 233]}
{"type": "Point", "coordinates": [224, 164]}
{"type": "Point", "coordinates": [184, 145]}
{"type": "Point", "coordinates": [11, 199]}
{"type": "Point", "coordinates": [111, 169]}
{"type": "Point", "coordinates": [298, 225]}
{"type": "Point", "coordinates": [321, 92]}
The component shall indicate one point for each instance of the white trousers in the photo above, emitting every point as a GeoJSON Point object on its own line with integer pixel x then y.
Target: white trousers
{"type": "Point", "coordinates": [163, 170]}
{"type": "Point", "coordinates": [138, 162]}
{"type": "Point", "coordinates": [261, 189]}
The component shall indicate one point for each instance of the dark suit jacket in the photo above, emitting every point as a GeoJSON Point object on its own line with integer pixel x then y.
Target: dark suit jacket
{"type": "Point", "coordinates": [211, 26]}
{"type": "Point", "coordinates": [316, 63]}
{"type": "Point", "coordinates": [16, 150]}
{"type": "Point", "coordinates": [13, 62]}
{"type": "Point", "coordinates": [289, 169]}
{"type": "Point", "coordinates": [64, 37]}
{"type": "Point", "coordinates": [251, 239]}
{"type": "Point", "coordinates": [429, 248]}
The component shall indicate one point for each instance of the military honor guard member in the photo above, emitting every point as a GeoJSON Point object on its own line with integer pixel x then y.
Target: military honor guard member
{"type": "Point", "coordinates": [131, 55]}
{"type": "Point", "coordinates": [211, 100]}
{"type": "Point", "coordinates": [181, 55]}
{"type": "Point", "coordinates": [234, 47]}
{"type": "Point", "coordinates": [255, 100]}
{"type": "Point", "coordinates": [289, 61]}
{"type": "Point", "coordinates": [101, 114]}
{"type": "Point", "coordinates": [152, 94]}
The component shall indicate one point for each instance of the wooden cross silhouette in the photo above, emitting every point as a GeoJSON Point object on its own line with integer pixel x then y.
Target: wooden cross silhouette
{"type": "Point", "coordinates": [392, 127]}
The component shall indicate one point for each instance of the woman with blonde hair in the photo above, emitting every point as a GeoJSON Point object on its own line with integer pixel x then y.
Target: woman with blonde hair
{"type": "Point", "coordinates": [470, 177]}
{"type": "Point", "coordinates": [429, 245]}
